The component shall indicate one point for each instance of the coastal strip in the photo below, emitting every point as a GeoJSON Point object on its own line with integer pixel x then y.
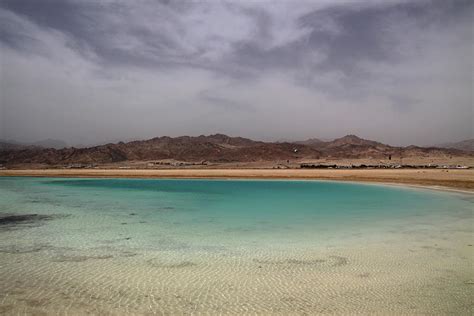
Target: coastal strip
{"type": "Point", "coordinates": [462, 180]}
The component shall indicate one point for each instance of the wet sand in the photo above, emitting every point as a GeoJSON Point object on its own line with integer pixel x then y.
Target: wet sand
{"type": "Point", "coordinates": [462, 179]}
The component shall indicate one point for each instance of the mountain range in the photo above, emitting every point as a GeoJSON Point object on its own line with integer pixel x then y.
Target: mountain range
{"type": "Point", "coordinates": [46, 143]}
{"type": "Point", "coordinates": [219, 148]}
{"type": "Point", "coordinates": [467, 145]}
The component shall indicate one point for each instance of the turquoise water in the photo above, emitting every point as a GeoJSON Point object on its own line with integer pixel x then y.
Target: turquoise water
{"type": "Point", "coordinates": [211, 211]}
{"type": "Point", "coordinates": [219, 226]}
{"type": "Point", "coordinates": [210, 208]}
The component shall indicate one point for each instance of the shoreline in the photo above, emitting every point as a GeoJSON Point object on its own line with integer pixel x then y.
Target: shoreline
{"type": "Point", "coordinates": [460, 181]}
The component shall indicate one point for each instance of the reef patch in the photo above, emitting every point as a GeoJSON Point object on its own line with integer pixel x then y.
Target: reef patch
{"type": "Point", "coordinates": [18, 221]}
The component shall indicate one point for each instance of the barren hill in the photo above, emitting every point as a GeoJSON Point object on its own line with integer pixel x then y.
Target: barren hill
{"type": "Point", "coordinates": [215, 148]}
{"type": "Point", "coordinates": [466, 145]}
{"type": "Point", "coordinates": [46, 143]}
{"type": "Point", "coordinates": [218, 148]}
{"type": "Point", "coordinates": [310, 142]}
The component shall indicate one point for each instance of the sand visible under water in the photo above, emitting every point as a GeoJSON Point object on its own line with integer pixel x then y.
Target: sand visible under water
{"type": "Point", "coordinates": [420, 265]}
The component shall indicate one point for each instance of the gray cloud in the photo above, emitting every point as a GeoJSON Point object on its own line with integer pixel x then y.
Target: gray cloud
{"type": "Point", "coordinates": [87, 71]}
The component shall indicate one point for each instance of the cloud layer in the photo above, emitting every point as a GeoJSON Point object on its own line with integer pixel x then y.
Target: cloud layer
{"type": "Point", "coordinates": [89, 71]}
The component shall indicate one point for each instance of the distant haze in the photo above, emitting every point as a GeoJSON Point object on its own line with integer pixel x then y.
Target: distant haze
{"type": "Point", "coordinates": [86, 72]}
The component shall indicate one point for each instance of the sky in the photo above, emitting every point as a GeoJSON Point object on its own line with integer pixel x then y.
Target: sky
{"type": "Point", "coordinates": [87, 72]}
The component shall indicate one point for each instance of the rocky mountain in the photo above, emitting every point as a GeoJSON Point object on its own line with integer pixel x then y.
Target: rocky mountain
{"type": "Point", "coordinates": [216, 148]}
{"type": "Point", "coordinates": [50, 143]}
{"type": "Point", "coordinates": [4, 145]}
{"type": "Point", "coordinates": [46, 143]}
{"type": "Point", "coordinates": [352, 146]}
{"type": "Point", "coordinates": [310, 142]}
{"type": "Point", "coordinates": [353, 140]}
{"type": "Point", "coordinates": [466, 145]}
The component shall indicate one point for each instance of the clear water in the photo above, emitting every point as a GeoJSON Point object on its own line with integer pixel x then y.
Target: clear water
{"type": "Point", "coordinates": [180, 226]}
{"type": "Point", "coordinates": [211, 211]}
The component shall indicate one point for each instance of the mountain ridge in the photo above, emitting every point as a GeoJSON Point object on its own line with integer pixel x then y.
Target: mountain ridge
{"type": "Point", "coordinates": [217, 148]}
{"type": "Point", "coordinates": [466, 145]}
{"type": "Point", "coordinates": [45, 143]}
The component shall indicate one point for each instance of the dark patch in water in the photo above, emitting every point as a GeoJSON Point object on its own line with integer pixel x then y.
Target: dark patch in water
{"type": "Point", "coordinates": [78, 258]}
{"type": "Point", "coordinates": [15, 221]}
{"type": "Point", "coordinates": [35, 201]}
{"type": "Point", "coordinates": [467, 215]}
{"type": "Point", "coordinates": [333, 261]}
{"type": "Point", "coordinates": [244, 229]}
{"type": "Point", "coordinates": [19, 249]}
{"type": "Point", "coordinates": [212, 249]}
{"type": "Point", "coordinates": [290, 261]}
{"type": "Point", "coordinates": [170, 244]}
{"type": "Point", "coordinates": [165, 209]}
{"type": "Point", "coordinates": [156, 263]}
{"type": "Point", "coordinates": [434, 248]}
{"type": "Point", "coordinates": [6, 219]}
{"type": "Point", "coordinates": [339, 261]}
{"type": "Point", "coordinates": [305, 262]}
{"type": "Point", "coordinates": [468, 199]}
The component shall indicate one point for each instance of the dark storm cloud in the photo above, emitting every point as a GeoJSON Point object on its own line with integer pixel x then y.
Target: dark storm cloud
{"type": "Point", "coordinates": [360, 34]}
{"type": "Point", "coordinates": [325, 57]}
{"type": "Point", "coordinates": [87, 24]}
{"type": "Point", "coordinates": [83, 21]}
{"type": "Point", "coordinates": [363, 34]}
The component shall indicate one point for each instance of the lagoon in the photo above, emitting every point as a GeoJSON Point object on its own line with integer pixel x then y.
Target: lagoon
{"type": "Point", "coordinates": [168, 246]}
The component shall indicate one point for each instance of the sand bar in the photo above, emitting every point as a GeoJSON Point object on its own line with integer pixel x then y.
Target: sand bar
{"type": "Point", "coordinates": [438, 178]}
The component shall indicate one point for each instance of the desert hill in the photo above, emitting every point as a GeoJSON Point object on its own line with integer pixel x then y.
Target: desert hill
{"type": "Point", "coordinates": [218, 148]}
{"type": "Point", "coordinates": [46, 143]}
{"type": "Point", "coordinates": [4, 145]}
{"type": "Point", "coordinates": [310, 142]}
{"type": "Point", "coordinates": [466, 145]}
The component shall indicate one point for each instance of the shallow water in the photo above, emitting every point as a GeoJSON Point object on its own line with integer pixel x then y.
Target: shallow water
{"type": "Point", "coordinates": [220, 246]}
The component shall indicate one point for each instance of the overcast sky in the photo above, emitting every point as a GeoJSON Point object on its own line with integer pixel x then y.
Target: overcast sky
{"type": "Point", "coordinates": [85, 71]}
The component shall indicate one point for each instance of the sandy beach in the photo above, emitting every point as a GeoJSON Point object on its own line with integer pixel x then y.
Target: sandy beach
{"type": "Point", "coordinates": [440, 179]}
